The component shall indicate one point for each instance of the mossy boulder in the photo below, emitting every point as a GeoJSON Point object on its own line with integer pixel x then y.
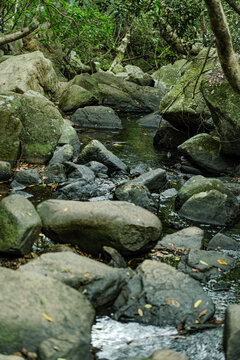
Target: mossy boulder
{"type": "Point", "coordinates": [76, 96]}
{"type": "Point", "coordinates": [204, 151]}
{"type": "Point", "coordinates": [167, 75]}
{"type": "Point", "coordinates": [179, 106]}
{"type": "Point", "coordinates": [224, 104]}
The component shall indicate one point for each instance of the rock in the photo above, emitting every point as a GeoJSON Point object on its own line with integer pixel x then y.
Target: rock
{"type": "Point", "coordinates": [231, 333]}
{"type": "Point", "coordinates": [154, 180]}
{"type": "Point", "coordinates": [78, 190]}
{"type": "Point", "coordinates": [127, 96]}
{"type": "Point", "coordinates": [31, 71]}
{"type": "Point", "coordinates": [137, 76]}
{"type": "Point", "coordinates": [222, 242]}
{"type": "Point", "coordinates": [100, 117]}
{"type": "Point", "coordinates": [188, 238]}
{"type": "Point", "coordinates": [28, 177]}
{"type": "Point", "coordinates": [5, 170]}
{"type": "Point", "coordinates": [165, 354]}
{"type": "Point", "coordinates": [152, 120]}
{"type": "Point", "coordinates": [19, 225]}
{"type": "Point", "coordinates": [223, 103]}
{"type": "Point", "coordinates": [62, 154]}
{"type": "Point", "coordinates": [54, 174]}
{"type": "Point", "coordinates": [91, 225]}
{"type": "Point", "coordinates": [87, 82]}
{"type": "Point", "coordinates": [135, 193]}
{"type": "Point", "coordinates": [167, 75]}
{"type": "Point", "coordinates": [179, 107]}
{"type": "Point", "coordinates": [96, 151]}
{"type": "Point", "coordinates": [69, 136]}
{"type": "Point", "coordinates": [160, 295]}
{"type": "Point", "coordinates": [97, 167]}
{"type": "Point", "coordinates": [203, 150]}
{"type": "Point", "coordinates": [74, 97]}
{"type": "Point", "coordinates": [36, 308]}
{"type": "Point", "coordinates": [111, 257]}
{"type": "Point", "coordinates": [98, 282]}
{"type": "Point", "coordinates": [204, 265]}
{"type": "Point", "coordinates": [10, 357]}
{"type": "Point", "coordinates": [168, 137]}
{"type": "Point", "coordinates": [79, 172]}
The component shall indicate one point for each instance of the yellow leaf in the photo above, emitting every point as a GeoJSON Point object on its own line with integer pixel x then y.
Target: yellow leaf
{"type": "Point", "coordinates": [203, 262]}
{"type": "Point", "coordinates": [47, 317]}
{"type": "Point", "coordinates": [202, 313]}
{"type": "Point", "coordinates": [117, 145]}
{"type": "Point", "coordinates": [222, 262]}
{"type": "Point", "coordinates": [172, 302]}
{"type": "Point", "coordinates": [86, 274]}
{"type": "Point", "coordinates": [66, 209]}
{"type": "Point", "coordinates": [197, 303]}
{"type": "Point", "coordinates": [148, 306]}
{"type": "Point", "coordinates": [140, 312]}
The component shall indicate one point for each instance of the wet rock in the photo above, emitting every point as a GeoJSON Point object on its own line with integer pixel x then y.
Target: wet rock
{"type": "Point", "coordinates": [54, 174]}
{"type": "Point", "coordinates": [62, 154]}
{"type": "Point", "coordinates": [96, 151]}
{"type": "Point", "coordinates": [168, 137]}
{"type": "Point", "coordinates": [28, 177]}
{"type": "Point", "coordinates": [151, 120]}
{"type": "Point", "coordinates": [75, 97]}
{"type": "Point", "coordinates": [137, 76]}
{"type": "Point", "coordinates": [69, 136]}
{"type": "Point", "coordinates": [42, 310]}
{"type": "Point", "coordinates": [91, 225]}
{"type": "Point", "coordinates": [19, 225]}
{"type": "Point", "coordinates": [222, 242]}
{"type": "Point", "coordinates": [189, 238]}
{"type": "Point", "coordinates": [100, 117]}
{"type": "Point", "coordinates": [203, 150]}
{"type": "Point", "coordinates": [154, 180]}
{"type": "Point", "coordinates": [79, 172]}
{"type": "Point", "coordinates": [97, 167]}
{"type": "Point", "coordinates": [203, 265]}
{"type": "Point", "coordinates": [135, 193]}
{"type": "Point", "coordinates": [231, 333]}
{"type": "Point", "coordinates": [79, 190]}
{"type": "Point", "coordinates": [5, 170]}
{"type": "Point", "coordinates": [165, 354]}
{"type": "Point", "coordinates": [111, 257]}
{"type": "Point", "coordinates": [98, 282]}
{"type": "Point", "coordinates": [160, 295]}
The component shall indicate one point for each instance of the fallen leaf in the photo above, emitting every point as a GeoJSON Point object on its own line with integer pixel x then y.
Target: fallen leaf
{"type": "Point", "coordinates": [117, 145]}
{"type": "Point", "coordinates": [172, 302]}
{"type": "Point", "coordinates": [47, 317]}
{"type": "Point", "coordinates": [66, 209]}
{"type": "Point", "coordinates": [140, 312]}
{"type": "Point", "coordinates": [148, 306]}
{"type": "Point", "coordinates": [202, 313]}
{"type": "Point", "coordinates": [197, 303]}
{"type": "Point", "coordinates": [203, 262]}
{"type": "Point", "coordinates": [86, 274]}
{"type": "Point", "coordinates": [222, 262]}
{"type": "Point", "coordinates": [195, 270]}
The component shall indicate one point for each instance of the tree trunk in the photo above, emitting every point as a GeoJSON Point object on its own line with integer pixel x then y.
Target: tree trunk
{"type": "Point", "coordinates": [227, 57]}
{"type": "Point", "coordinates": [121, 50]}
{"type": "Point", "coordinates": [5, 39]}
{"type": "Point", "coordinates": [234, 6]}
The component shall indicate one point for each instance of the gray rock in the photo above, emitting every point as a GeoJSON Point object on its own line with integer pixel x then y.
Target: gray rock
{"type": "Point", "coordinates": [161, 295]}
{"type": "Point", "coordinates": [100, 117]}
{"type": "Point", "coordinates": [91, 225]}
{"type": "Point", "coordinates": [19, 225]}
{"type": "Point", "coordinates": [151, 120]}
{"type": "Point", "coordinates": [79, 172]}
{"type": "Point", "coordinates": [98, 282]}
{"type": "Point", "coordinates": [168, 137]}
{"type": "Point", "coordinates": [111, 257]}
{"type": "Point", "coordinates": [97, 167]}
{"type": "Point", "coordinates": [79, 190]}
{"type": "Point", "coordinates": [135, 193]}
{"type": "Point", "coordinates": [165, 354]}
{"type": "Point", "coordinates": [5, 170]}
{"type": "Point", "coordinates": [203, 151]}
{"type": "Point", "coordinates": [54, 174]}
{"type": "Point", "coordinates": [222, 242]}
{"type": "Point", "coordinates": [136, 75]}
{"type": "Point", "coordinates": [96, 151]}
{"type": "Point", "coordinates": [203, 265]}
{"type": "Point", "coordinates": [231, 333]}
{"type": "Point", "coordinates": [35, 308]}
{"type": "Point", "coordinates": [154, 180]}
{"type": "Point", "coordinates": [167, 75]}
{"type": "Point", "coordinates": [10, 357]}
{"type": "Point", "coordinates": [189, 238]}
{"type": "Point", "coordinates": [28, 177]}
{"type": "Point", "coordinates": [69, 136]}
{"type": "Point", "coordinates": [62, 154]}
{"type": "Point", "coordinates": [76, 96]}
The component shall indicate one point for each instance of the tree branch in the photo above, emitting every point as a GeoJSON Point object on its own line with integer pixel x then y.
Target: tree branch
{"type": "Point", "coordinates": [234, 6]}
{"type": "Point", "coordinates": [5, 39]}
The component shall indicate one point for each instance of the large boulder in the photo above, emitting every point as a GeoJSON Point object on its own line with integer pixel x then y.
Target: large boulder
{"type": "Point", "coordinates": [136, 75]}
{"type": "Point", "coordinates": [160, 295]}
{"type": "Point", "coordinates": [231, 334]}
{"type": "Point", "coordinates": [100, 117]}
{"type": "Point", "coordinates": [31, 71]}
{"type": "Point", "coordinates": [204, 151]}
{"type": "Point", "coordinates": [96, 151]}
{"type": "Point", "coordinates": [223, 103]}
{"type": "Point", "coordinates": [92, 225]}
{"type": "Point", "coordinates": [127, 96]}
{"type": "Point", "coordinates": [179, 107]}
{"type": "Point", "coordinates": [98, 282]}
{"type": "Point", "coordinates": [75, 97]}
{"type": "Point", "coordinates": [19, 225]}
{"type": "Point", "coordinates": [36, 308]}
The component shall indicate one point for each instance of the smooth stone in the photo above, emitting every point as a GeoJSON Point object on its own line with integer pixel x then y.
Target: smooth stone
{"type": "Point", "coordinates": [189, 238]}
{"type": "Point", "coordinates": [28, 177]}
{"type": "Point", "coordinates": [222, 242]}
{"type": "Point", "coordinates": [79, 172]}
{"type": "Point", "coordinates": [54, 173]}
{"type": "Point", "coordinates": [154, 180]}
{"type": "Point", "coordinates": [62, 154]}
{"type": "Point", "coordinates": [231, 332]}
{"type": "Point", "coordinates": [135, 193]}
{"type": "Point", "coordinates": [5, 170]}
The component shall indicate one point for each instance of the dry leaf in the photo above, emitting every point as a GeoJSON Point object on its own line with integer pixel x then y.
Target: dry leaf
{"type": "Point", "coordinates": [148, 306]}
{"type": "Point", "coordinates": [222, 262]}
{"type": "Point", "coordinates": [86, 274]}
{"type": "Point", "coordinates": [195, 270]}
{"type": "Point", "coordinates": [197, 303]}
{"type": "Point", "coordinates": [203, 262]}
{"type": "Point", "coordinates": [140, 312]}
{"type": "Point", "coordinates": [47, 317]}
{"type": "Point", "coordinates": [202, 313]}
{"type": "Point", "coordinates": [66, 209]}
{"type": "Point", "coordinates": [172, 302]}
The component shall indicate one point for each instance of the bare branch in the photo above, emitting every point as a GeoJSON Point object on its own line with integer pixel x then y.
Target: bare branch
{"type": "Point", "coordinates": [234, 6]}
{"type": "Point", "coordinates": [5, 39]}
